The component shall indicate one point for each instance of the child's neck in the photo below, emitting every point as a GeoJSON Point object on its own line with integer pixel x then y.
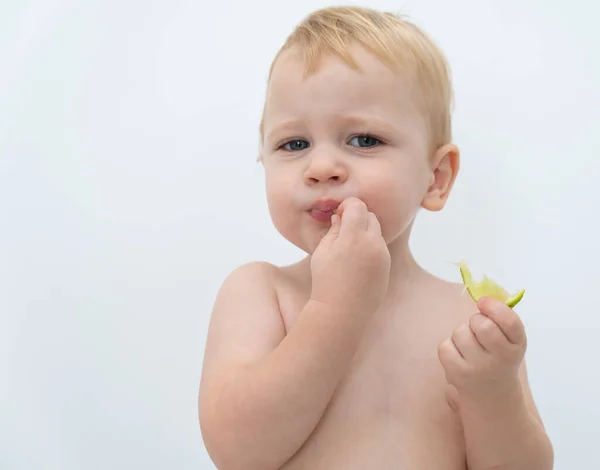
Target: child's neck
{"type": "Point", "coordinates": [404, 269]}
{"type": "Point", "coordinates": [405, 272]}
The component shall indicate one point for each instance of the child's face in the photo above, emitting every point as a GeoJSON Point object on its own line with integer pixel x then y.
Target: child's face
{"type": "Point", "coordinates": [315, 149]}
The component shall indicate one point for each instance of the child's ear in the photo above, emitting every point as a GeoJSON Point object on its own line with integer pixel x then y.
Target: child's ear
{"type": "Point", "coordinates": [444, 168]}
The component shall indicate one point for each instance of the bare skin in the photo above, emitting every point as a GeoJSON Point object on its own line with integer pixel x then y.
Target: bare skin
{"type": "Point", "coordinates": [389, 410]}
{"type": "Point", "coordinates": [344, 360]}
{"type": "Point", "coordinates": [289, 387]}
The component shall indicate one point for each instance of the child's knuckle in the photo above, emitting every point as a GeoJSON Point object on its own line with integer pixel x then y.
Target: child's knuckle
{"type": "Point", "coordinates": [487, 326]}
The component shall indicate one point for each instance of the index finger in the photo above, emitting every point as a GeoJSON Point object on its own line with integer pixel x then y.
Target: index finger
{"type": "Point", "coordinates": [354, 215]}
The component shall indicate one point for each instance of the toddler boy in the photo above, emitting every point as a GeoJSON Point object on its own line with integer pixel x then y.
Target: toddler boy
{"type": "Point", "coordinates": [356, 357]}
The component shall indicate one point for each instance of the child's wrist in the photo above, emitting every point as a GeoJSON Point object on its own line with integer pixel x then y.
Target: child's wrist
{"type": "Point", "coordinates": [509, 397]}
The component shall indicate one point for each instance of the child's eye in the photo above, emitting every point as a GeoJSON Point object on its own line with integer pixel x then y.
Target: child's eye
{"type": "Point", "coordinates": [362, 141]}
{"type": "Point", "coordinates": [366, 141]}
{"type": "Point", "coordinates": [295, 145]}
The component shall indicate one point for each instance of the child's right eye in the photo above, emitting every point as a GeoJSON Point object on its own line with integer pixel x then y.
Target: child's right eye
{"type": "Point", "coordinates": [295, 145]}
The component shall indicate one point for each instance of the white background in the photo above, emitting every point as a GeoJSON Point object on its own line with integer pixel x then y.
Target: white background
{"type": "Point", "coordinates": [129, 189]}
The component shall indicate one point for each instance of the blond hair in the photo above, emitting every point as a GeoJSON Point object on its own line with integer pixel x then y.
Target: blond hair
{"type": "Point", "coordinates": [395, 41]}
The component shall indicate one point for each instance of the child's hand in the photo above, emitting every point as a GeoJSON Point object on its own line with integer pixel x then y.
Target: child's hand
{"type": "Point", "coordinates": [482, 358]}
{"type": "Point", "coordinates": [351, 265]}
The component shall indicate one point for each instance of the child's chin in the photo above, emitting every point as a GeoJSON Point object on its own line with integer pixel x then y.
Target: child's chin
{"type": "Point", "coordinates": [310, 244]}
{"type": "Point", "coordinates": [306, 238]}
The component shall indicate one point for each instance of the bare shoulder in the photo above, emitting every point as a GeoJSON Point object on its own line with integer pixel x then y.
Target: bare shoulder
{"type": "Point", "coordinates": [245, 324]}
{"type": "Point", "coordinates": [248, 277]}
{"type": "Point", "coordinates": [452, 299]}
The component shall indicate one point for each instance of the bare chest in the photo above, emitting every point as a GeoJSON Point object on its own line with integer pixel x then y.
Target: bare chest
{"type": "Point", "coordinates": [389, 411]}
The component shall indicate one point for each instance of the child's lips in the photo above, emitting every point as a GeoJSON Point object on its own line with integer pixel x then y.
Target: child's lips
{"type": "Point", "coordinates": [323, 209]}
{"type": "Point", "coordinates": [325, 205]}
{"type": "Point", "coordinates": [321, 216]}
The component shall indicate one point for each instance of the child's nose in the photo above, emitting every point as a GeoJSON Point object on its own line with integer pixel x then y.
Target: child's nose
{"type": "Point", "coordinates": [324, 169]}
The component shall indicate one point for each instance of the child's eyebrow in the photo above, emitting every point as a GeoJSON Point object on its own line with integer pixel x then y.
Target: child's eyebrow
{"type": "Point", "coordinates": [367, 121]}
{"type": "Point", "coordinates": [283, 126]}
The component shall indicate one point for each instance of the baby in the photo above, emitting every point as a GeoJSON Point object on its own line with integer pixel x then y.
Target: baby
{"type": "Point", "coordinates": [355, 357]}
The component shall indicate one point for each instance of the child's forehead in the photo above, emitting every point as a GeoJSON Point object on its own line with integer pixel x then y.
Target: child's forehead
{"type": "Point", "coordinates": [337, 87]}
{"type": "Point", "coordinates": [295, 66]}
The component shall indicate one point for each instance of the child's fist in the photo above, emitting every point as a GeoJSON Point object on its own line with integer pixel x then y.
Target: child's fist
{"type": "Point", "coordinates": [351, 265]}
{"type": "Point", "coordinates": [481, 359]}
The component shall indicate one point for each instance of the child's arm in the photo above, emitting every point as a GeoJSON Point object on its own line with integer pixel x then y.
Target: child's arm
{"type": "Point", "coordinates": [507, 429]}
{"type": "Point", "coordinates": [484, 362]}
{"type": "Point", "coordinates": [263, 392]}
{"type": "Point", "coordinates": [264, 389]}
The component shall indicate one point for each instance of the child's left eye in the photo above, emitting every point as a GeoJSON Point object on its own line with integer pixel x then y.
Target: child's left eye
{"type": "Point", "coordinates": [366, 141]}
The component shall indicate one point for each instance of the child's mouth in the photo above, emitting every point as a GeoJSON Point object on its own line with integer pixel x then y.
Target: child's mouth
{"type": "Point", "coordinates": [323, 209]}
{"type": "Point", "coordinates": [322, 216]}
